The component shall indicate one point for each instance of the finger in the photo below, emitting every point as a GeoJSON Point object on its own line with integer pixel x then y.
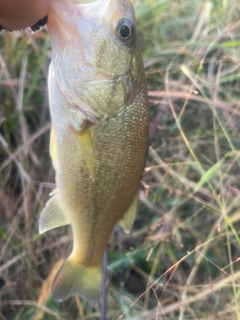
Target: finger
{"type": "Point", "coordinates": [20, 14]}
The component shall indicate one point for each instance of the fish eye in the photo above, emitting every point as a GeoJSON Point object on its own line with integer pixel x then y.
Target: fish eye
{"type": "Point", "coordinates": [125, 30]}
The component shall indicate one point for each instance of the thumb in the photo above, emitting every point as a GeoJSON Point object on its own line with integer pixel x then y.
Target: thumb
{"type": "Point", "coordinates": [20, 14]}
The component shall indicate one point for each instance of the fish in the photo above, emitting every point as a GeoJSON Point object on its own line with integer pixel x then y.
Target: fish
{"type": "Point", "coordinates": [99, 138]}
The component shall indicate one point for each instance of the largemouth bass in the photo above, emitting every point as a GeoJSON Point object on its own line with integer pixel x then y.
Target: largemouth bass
{"type": "Point", "coordinates": [99, 138]}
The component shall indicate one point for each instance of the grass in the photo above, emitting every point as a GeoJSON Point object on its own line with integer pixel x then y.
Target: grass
{"type": "Point", "coordinates": [181, 261]}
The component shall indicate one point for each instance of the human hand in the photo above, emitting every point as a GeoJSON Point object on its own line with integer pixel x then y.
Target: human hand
{"type": "Point", "coordinates": [20, 14]}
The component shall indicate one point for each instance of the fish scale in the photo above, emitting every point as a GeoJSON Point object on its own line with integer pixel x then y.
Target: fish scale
{"type": "Point", "coordinates": [99, 139]}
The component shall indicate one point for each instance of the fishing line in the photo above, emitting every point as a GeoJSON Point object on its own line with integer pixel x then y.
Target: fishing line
{"type": "Point", "coordinates": [103, 300]}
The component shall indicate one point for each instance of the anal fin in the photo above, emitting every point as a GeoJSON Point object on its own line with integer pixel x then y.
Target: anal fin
{"type": "Point", "coordinates": [52, 215]}
{"type": "Point", "coordinates": [85, 141]}
{"type": "Point", "coordinates": [128, 219]}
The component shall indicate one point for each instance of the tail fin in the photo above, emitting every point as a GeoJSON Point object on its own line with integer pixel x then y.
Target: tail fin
{"type": "Point", "coordinates": [74, 279]}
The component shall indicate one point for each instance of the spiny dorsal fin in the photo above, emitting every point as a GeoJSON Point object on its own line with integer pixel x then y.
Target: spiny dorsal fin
{"type": "Point", "coordinates": [128, 219]}
{"type": "Point", "coordinates": [52, 215]}
{"type": "Point", "coordinates": [85, 141]}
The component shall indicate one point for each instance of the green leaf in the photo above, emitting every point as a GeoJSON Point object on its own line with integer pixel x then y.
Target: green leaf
{"type": "Point", "coordinates": [210, 173]}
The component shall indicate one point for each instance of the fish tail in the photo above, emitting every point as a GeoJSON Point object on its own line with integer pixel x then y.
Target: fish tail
{"type": "Point", "coordinates": [74, 278]}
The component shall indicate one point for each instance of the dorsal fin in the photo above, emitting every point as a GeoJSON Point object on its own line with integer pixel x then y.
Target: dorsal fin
{"type": "Point", "coordinates": [52, 215]}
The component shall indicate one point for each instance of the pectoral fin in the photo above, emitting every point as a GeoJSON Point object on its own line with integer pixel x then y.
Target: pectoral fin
{"type": "Point", "coordinates": [85, 141]}
{"type": "Point", "coordinates": [52, 215]}
{"type": "Point", "coordinates": [127, 221]}
{"type": "Point", "coordinates": [53, 146]}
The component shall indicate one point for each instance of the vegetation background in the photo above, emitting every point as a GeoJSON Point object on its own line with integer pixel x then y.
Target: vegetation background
{"type": "Point", "coordinates": [181, 261]}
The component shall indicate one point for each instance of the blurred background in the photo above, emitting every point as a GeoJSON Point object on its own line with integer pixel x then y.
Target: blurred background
{"type": "Point", "coordinates": [181, 260]}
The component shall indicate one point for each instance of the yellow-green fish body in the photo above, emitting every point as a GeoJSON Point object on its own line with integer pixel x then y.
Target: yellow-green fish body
{"type": "Point", "coordinates": [99, 137]}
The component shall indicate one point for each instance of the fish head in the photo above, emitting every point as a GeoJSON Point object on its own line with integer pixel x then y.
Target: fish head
{"type": "Point", "coordinates": [95, 54]}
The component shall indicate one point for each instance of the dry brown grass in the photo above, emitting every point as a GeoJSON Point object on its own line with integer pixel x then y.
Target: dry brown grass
{"type": "Point", "coordinates": [182, 259]}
